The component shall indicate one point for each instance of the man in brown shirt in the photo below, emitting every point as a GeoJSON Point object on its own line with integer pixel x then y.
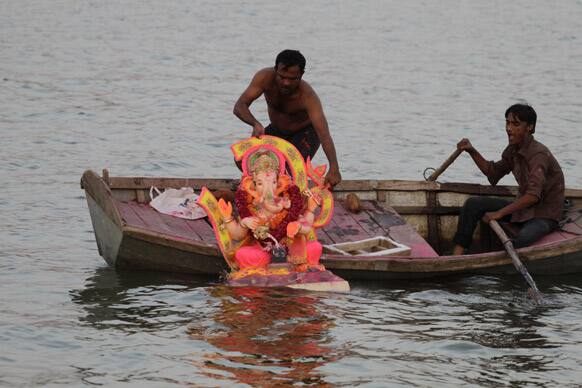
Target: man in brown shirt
{"type": "Point", "coordinates": [540, 199]}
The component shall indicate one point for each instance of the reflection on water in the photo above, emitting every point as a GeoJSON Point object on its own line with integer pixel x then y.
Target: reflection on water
{"type": "Point", "coordinates": [499, 312]}
{"type": "Point", "coordinates": [133, 301]}
{"type": "Point", "coordinates": [264, 336]}
{"type": "Point", "coordinates": [254, 336]}
{"type": "Point", "coordinates": [483, 330]}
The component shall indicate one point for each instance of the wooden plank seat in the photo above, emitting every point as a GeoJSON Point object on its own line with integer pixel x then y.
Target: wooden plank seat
{"type": "Point", "coordinates": [142, 215]}
{"type": "Point", "coordinates": [372, 221]}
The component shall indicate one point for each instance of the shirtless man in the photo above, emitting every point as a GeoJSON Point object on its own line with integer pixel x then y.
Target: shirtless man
{"type": "Point", "coordinates": [295, 111]}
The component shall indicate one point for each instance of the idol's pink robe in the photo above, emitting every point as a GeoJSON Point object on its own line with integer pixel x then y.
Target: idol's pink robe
{"type": "Point", "coordinates": [254, 256]}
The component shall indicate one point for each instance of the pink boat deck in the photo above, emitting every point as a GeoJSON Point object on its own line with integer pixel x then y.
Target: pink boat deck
{"type": "Point", "coordinates": [345, 226]}
{"type": "Point", "coordinates": [142, 215]}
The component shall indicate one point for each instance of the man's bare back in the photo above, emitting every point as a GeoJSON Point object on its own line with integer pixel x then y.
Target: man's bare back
{"type": "Point", "coordinates": [294, 109]}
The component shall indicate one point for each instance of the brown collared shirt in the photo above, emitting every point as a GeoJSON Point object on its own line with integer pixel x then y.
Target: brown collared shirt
{"type": "Point", "coordinates": [537, 173]}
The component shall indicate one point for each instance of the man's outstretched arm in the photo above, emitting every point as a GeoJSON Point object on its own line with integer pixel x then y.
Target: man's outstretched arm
{"type": "Point", "coordinates": [241, 107]}
{"type": "Point", "coordinates": [319, 122]}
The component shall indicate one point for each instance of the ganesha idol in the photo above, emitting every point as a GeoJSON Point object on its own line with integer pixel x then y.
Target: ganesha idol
{"type": "Point", "coordinates": [275, 217]}
{"type": "Point", "coordinates": [272, 213]}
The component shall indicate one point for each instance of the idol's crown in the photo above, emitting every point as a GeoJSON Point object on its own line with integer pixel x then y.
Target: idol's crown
{"type": "Point", "coordinates": [264, 161]}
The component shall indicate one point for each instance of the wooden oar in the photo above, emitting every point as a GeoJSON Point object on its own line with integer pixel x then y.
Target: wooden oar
{"type": "Point", "coordinates": [445, 165]}
{"type": "Point", "coordinates": [535, 293]}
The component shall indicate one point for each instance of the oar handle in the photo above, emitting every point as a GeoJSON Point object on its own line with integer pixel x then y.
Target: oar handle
{"type": "Point", "coordinates": [499, 231]}
{"type": "Point", "coordinates": [445, 165]}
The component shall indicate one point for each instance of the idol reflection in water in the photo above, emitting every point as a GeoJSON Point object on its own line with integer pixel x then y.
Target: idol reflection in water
{"type": "Point", "coordinates": [266, 336]}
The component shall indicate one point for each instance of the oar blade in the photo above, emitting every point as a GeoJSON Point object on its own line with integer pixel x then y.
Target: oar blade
{"type": "Point", "coordinates": [535, 294]}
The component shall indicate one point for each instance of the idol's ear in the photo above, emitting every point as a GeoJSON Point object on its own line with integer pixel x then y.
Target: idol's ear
{"type": "Point", "coordinates": [282, 184]}
{"type": "Point", "coordinates": [248, 185]}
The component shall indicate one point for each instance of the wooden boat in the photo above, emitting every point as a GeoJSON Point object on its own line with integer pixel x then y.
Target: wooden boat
{"type": "Point", "coordinates": [418, 217]}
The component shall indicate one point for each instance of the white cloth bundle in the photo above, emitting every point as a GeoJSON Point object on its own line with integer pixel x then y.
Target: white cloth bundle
{"type": "Point", "coordinates": [177, 202]}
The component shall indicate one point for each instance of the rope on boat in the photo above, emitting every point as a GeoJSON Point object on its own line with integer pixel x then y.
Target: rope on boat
{"type": "Point", "coordinates": [569, 220]}
{"type": "Point", "coordinates": [426, 171]}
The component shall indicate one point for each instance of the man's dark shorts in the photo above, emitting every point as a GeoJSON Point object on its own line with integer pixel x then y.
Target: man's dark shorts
{"type": "Point", "coordinates": [305, 140]}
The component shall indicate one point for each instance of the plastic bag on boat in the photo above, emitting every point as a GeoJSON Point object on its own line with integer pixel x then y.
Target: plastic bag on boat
{"type": "Point", "coordinates": [177, 202]}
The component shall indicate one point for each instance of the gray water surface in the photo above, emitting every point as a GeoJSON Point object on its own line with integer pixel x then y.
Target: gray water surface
{"type": "Point", "coordinates": [147, 88]}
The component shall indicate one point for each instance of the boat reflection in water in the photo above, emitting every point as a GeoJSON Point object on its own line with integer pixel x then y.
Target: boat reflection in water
{"type": "Point", "coordinates": [265, 336]}
{"type": "Point", "coordinates": [136, 301]}
{"type": "Point", "coordinates": [481, 330]}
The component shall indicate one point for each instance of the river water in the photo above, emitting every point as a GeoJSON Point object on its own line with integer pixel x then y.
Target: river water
{"type": "Point", "coordinates": [147, 88]}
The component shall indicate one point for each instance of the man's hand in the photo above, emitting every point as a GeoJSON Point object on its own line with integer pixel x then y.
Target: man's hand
{"type": "Point", "coordinates": [488, 217]}
{"type": "Point", "coordinates": [258, 130]}
{"type": "Point", "coordinates": [333, 177]}
{"type": "Point", "coordinates": [465, 145]}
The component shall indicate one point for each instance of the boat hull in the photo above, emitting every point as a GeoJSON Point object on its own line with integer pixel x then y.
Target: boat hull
{"type": "Point", "coordinates": [552, 265]}
{"type": "Point", "coordinates": [128, 241]}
